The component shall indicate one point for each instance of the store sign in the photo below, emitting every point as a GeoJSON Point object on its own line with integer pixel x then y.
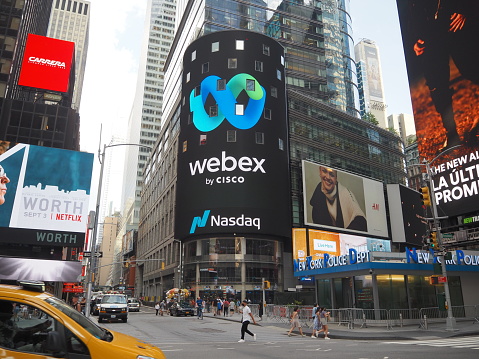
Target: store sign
{"type": "Point", "coordinates": [471, 219]}
{"type": "Point", "coordinates": [458, 257]}
{"type": "Point", "coordinates": [328, 261]}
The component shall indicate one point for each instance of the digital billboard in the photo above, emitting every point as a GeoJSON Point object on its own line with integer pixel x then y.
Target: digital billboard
{"type": "Point", "coordinates": [233, 167]}
{"type": "Point", "coordinates": [444, 86]}
{"type": "Point", "coordinates": [44, 195]}
{"type": "Point", "coordinates": [332, 249]}
{"type": "Point", "coordinates": [336, 199]}
{"type": "Point", "coordinates": [407, 215]}
{"type": "Point", "coordinates": [39, 269]}
{"type": "Point", "coordinates": [47, 63]}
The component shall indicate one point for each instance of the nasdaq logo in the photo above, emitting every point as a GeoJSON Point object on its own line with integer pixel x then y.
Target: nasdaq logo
{"type": "Point", "coordinates": [199, 221]}
{"type": "Point", "coordinates": [226, 103]}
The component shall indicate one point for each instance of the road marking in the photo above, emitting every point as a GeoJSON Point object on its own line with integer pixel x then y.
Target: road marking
{"type": "Point", "coordinates": [226, 348]}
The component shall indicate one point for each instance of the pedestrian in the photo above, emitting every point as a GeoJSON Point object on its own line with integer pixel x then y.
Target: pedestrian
{"type": "Point", "coordinates": [226, 306]}
{"type": "Point", "coordinates": [157, 307]}
{"type": "Point", "coordinates": [215, 306]}
{"type": "Point", "coordinates": [260, 311]}
{"type": "Point", "coordinates": [162, 307]}
{"type": "Point", "coordinates": [316, 321]}
{"type": "Point", "coordinates": [295, 322]}
{"type": "Point", "coordinates": [232, 307]}
{"type": "Point", "coordinates": [323, 318]}
{"type": "Point", "coordinates": [75, 303]}
{"type": "Point", "coordinates": [219, 306]}
{"type": "Point", "coordinates": [199, 308]}
{"type": "Point", "coordinates": [246, 318]}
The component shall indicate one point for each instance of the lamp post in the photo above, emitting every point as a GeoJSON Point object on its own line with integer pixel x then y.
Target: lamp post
{"type": "Point", "coordinates": [92, 261]}
{"type": "Point", "coordinates": [450, 320]}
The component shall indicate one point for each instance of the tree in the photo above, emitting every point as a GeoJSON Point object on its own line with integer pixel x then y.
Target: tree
{"type": "Point", "coordinates": [369, 117]}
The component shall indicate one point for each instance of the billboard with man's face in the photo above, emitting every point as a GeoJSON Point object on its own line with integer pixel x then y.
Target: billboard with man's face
{"type": "Point", "coordinates": [439, 40]}
{"type": "Point", "coordinates": [340, 200]}
{"type": "Point", "coordinates": [46, 63]}
{"type": "Point", "coordinates": [44, 195]}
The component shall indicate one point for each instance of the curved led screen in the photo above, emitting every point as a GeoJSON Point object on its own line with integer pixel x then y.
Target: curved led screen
{"type": "Point", "coordinates": [233, 169]}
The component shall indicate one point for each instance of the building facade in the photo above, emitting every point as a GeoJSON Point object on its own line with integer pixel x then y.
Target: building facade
{"type": "Point", "coordinates": [371, 90]}
{"type": "Point", "coordinates": [70, 21]}
{"type": "Point", "coordinates": [320, 129]}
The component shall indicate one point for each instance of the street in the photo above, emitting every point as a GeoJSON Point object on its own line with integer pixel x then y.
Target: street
{"type": "Point", "coordinates": [181, 337]}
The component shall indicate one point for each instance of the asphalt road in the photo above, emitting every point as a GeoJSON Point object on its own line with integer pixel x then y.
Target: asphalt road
{"type": "Point", "coordinates": [181, 337]}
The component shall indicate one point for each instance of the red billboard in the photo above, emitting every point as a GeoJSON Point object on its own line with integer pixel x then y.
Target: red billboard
{"type": "Point", "coordinates": [439, 39]}
{"type": "Point", "coordinates": [46, 63]}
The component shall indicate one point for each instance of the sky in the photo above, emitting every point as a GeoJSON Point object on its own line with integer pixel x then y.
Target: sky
{"type": "Point", "coordinates": [116, 31]}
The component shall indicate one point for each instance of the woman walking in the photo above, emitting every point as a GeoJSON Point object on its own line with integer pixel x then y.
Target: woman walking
{"type": "Point", "coordinates": [323, 317]}
{"type": "Point", "coordinates": [295, 322]}
{"type": "Point", "coordinates": [316, 321]}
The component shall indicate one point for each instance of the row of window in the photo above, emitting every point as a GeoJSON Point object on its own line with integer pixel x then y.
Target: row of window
{"type": "Point", "coordinates": [73, 6]}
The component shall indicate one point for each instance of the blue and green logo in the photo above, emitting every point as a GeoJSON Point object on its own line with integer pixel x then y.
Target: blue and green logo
{"type": "Point", "coordinates": [226, 101]}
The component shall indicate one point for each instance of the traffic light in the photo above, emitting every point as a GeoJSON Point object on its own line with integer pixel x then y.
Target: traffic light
{"type": "Point", "coordinates": [433, 240]}
{"type": "Point", "coordinates": [426, 199]}
{"type": "Point", "coordinates": [266, 284]}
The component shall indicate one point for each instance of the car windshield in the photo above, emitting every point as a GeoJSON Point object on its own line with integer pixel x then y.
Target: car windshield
{"type": "Point", "coordinates": [78, 317]}
{"type": "Point", "coordinates": [132, 300]}
{"type": "Point", "coordinates": [119, 299]}
{"type": "Point", "coordinates": [185, 304]}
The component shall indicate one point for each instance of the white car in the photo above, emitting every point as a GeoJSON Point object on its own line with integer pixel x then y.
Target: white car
{"type": "Point", "coordinates": [133, 305]}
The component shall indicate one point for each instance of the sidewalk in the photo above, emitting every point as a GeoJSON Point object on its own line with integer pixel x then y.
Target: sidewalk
{"type": "Point", "coordinates": [434, 331]}
{"type": "Point", "coordinates": [376, 332]}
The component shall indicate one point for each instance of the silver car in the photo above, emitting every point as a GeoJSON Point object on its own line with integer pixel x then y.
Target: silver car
{"type": "Point", "coordinates": [133, 305]}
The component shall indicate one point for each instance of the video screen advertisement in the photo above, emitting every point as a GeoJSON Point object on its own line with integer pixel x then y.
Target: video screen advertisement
{"type": "Point", "coordinates": [444, 86]}
{"type": "Point", "coordinates": [44, 195]}
{"type": "Point", "coordinates": [47, 63]}
{"type": "Point", "coordinates": [233, 167]}
{"type": "Point", "coordinates": [331, 249]}
{"type": "Point", "coordinates": [339, 200]}
{"type": "Point", "coordinates": [407, 215]}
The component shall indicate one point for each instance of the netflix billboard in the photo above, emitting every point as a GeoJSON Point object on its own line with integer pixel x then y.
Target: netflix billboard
{"type": "Point", "coordinates": [439, 40]}
{"type": "Point", "coordinates": [46, 63]}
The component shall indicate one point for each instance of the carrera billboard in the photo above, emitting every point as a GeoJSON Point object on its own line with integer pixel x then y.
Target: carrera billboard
{"type": "Point", "coordinates": [47, 63]}
{"type": "Point", "coordinates": [340, 200]}
{"type": "Point", "coordinates": [233, 168]}
{"type": "Point", "coordinates": [444, 86]}
{"type": "Point", "coordinates": [44, 195]}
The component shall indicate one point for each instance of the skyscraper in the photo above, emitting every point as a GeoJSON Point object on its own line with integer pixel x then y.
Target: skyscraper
{"type": "Point", "coordinates": [371, 91]}
{"type": "Point", "coordinates": [70, 21]}
{"type": "Point", "coordinates": [323, 125]}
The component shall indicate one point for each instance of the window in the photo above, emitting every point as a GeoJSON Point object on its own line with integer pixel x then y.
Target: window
{"type": "Point", "coordinates": [205, 68]}
{"type": "Point", "coordinates": [193, 56]}
{"type": "Point", "coordinates": [239, 109]}
{"type": "Point", "coordinates": [278, 74]}
{"type": "Point", "coordinates": [197, 90]}
{"type": "Point", "coordinates": [221, 85]}
{"type": "Point", "coordinates": [213, 111]}
{"type": "Point", "coordinates": [239, 44]}
{"type": "Point", "coordinates": [266, 50]}
{"type": "Point", "coordinates": [250, 85]}
{"type": "Point", "coordinates": [282, 60]}
{"type": "Point", "coordinates": [188, 77]}
{"type": "Point", "coordinates": [267, 113]}
{"type": "Point", "coordinates": [215, 47]}
{"type": "Point", "coordinates": [259, 138]}
{"type": "Point", "coordinates": [202, 140]}
{"type": "Point", "coordinates": [232, 63]}
{"type": "Point", "coordinates": [280, 144]}
{"type": "Point", "coordinates": [258, 66]}
{"type": "Point", "coordinates": [274, 91]}
{"type": "Point", "coordinates": [231, 136]}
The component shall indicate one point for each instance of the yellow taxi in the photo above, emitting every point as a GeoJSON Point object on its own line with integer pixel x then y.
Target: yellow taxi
{"type": "Point", "coordinates": [35, 324]}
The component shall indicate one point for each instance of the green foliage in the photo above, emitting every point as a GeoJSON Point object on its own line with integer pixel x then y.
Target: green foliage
{"type": "Point", "coordinates": [369, 117]}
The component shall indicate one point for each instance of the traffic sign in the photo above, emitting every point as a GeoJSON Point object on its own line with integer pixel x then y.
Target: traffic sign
{"type": "Point", "coordinates": [97, 254]}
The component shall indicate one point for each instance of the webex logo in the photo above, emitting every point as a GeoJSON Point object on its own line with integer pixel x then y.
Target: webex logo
{"type": "Point", "coordinates": [220, 221]}
{"type": "Point", "coordinates": [225, 97]}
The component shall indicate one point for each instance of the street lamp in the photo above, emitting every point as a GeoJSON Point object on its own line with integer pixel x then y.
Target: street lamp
{"type": "Point", "coordinates": [450, 320]}
{"type": "Point", "coordinates": [91, 264]}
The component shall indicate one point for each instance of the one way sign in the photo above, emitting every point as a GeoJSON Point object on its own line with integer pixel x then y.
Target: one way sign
{"type": "Point", "coordinates": [97, 254]}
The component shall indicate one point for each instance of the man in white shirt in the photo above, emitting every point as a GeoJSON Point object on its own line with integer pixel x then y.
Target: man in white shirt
{"type": "Point", "coordinates": [246, 318]}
